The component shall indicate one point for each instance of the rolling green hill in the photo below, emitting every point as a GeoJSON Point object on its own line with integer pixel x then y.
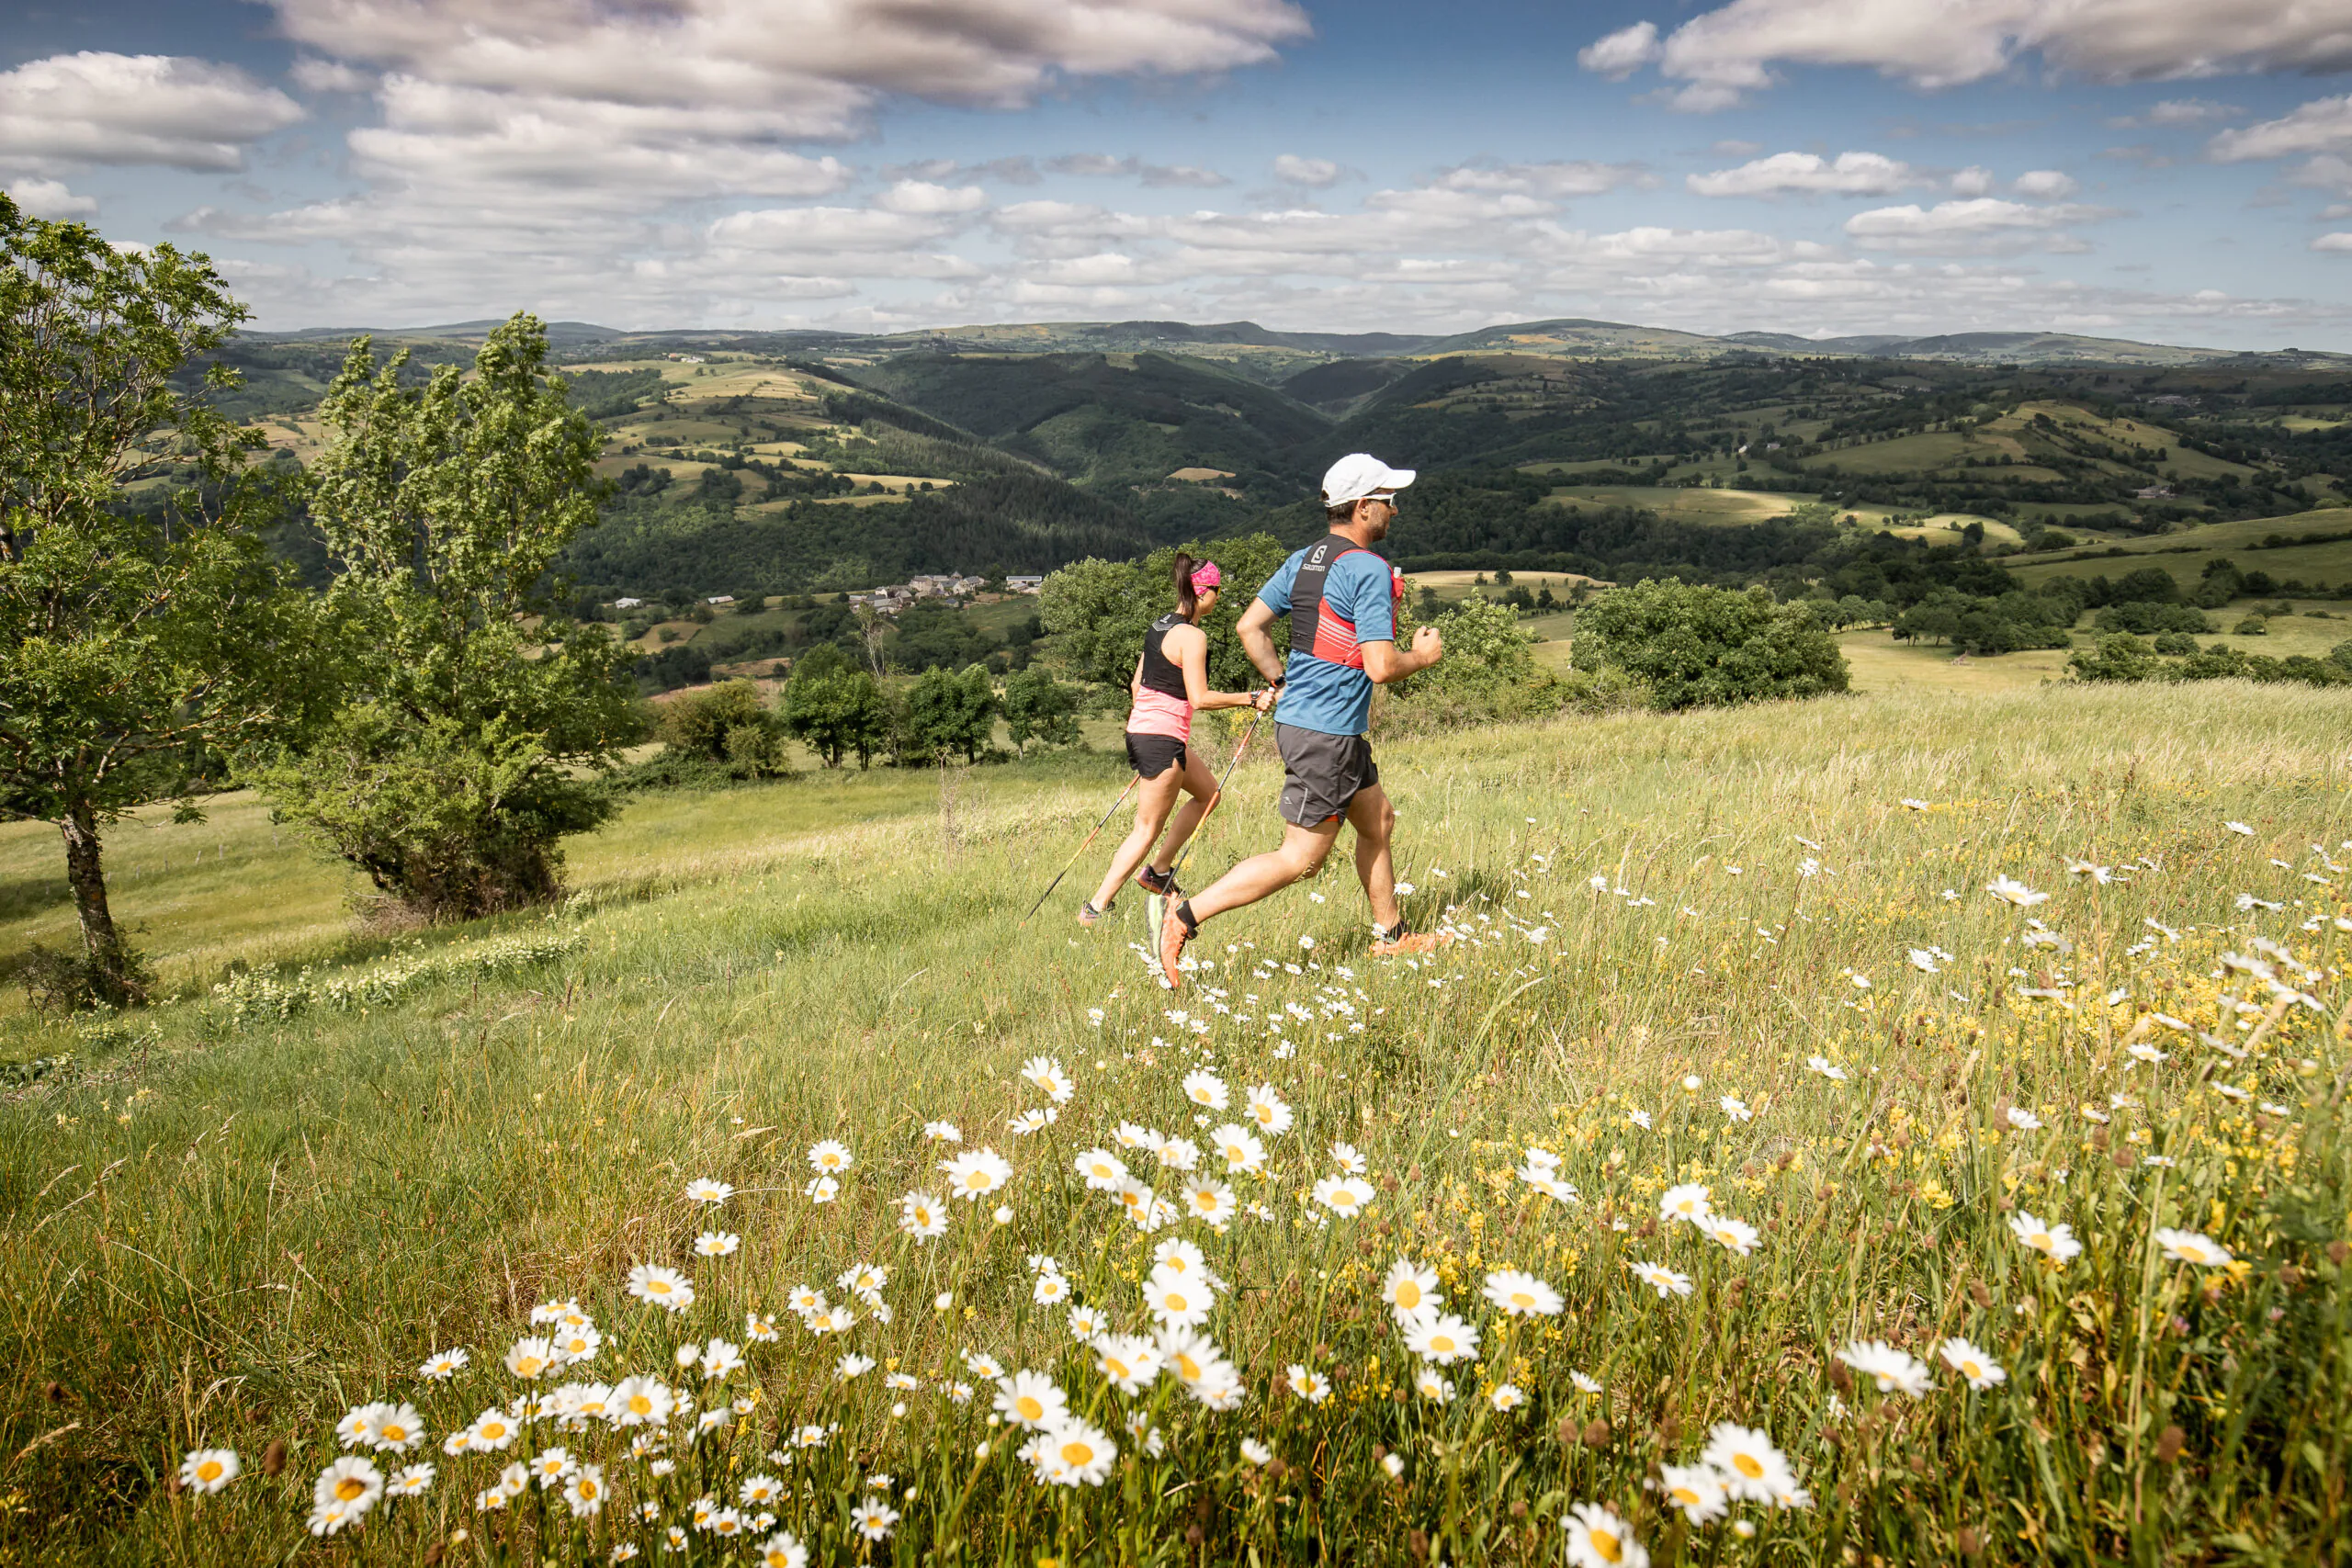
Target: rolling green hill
{"type": "Point", "coordinates": [1115, 420]}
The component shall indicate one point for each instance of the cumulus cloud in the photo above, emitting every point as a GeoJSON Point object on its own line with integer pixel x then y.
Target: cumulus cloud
{"type": "Point", "coordinates": [1312, 173]}
{"type": "Point", "coordinates": [95, 107]}
{"type": "Point", "coordinates": [1551, 182]}
{"type": "Point", "coordinates": [1973, 227]}
{"type": "Point", "coordinates": [1619, 54]}
{"type": "Point", "coordinates": [1974, 180]}
{"type": "Point", "coordinates": [2177, 112]}
{"type": "Point", "coordinates": [922, 196]}
{"type": "Point", "coordinates": [1852, 174]}
{"type": "Point", "coordinates": [2045, 185]}
{"type": "Point", "coordinates": [741, 54]}
{"type": "Point", "coordinates": [1732, 49]}
{"type": "Point", "coordinates": [2339, 243]}
{"type": "Point", "coordinates": [317, 75]}
{"type": "Point", "coordinates": [2316, 126]}
{"type": "Point", "coordinates": [52, 199]}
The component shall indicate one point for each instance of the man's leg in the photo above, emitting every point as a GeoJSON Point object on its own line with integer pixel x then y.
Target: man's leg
{"type": "Point", "coordinates": [1299, 854]}
{"type": "Point", "coordinates": [1374, 820]}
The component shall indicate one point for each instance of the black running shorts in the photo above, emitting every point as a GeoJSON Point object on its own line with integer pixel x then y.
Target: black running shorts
{"type": "Point", "coordinates": [1321, 774]}
{"type": "Point", "coordinates": [1153, 755]}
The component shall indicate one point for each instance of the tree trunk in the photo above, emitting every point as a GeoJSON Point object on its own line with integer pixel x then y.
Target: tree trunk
{"type": "Point", "coordinates": [113, 977]}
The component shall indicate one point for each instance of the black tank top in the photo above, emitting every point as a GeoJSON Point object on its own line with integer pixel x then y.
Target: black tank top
{"type": "Point", "coordinates": [1161, 673]}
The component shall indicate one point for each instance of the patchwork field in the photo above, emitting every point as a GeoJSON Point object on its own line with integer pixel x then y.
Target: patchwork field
{"type": "Point", "coordinates": [2016, 1218]}
{"type": "Point", "coordinates": [2184, 555]}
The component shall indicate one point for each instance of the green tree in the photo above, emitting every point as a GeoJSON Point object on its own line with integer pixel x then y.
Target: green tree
{"type": "Point", "coordinates": [1694, 646]}
{"type": "Point", "coordinates": [833, 708]}
{"type": "Point", "coordinates": [947, 714]}
{"type": "Point", "coordinates": [2119, 656]}
{"type": "Point", "coordinates": [1038, 708]}
{"type": "Point", "coordinates": [466, 745]}
{"type": "Point", "coordinates": [143, 630]}
{"type": "Point", "coordinates": [728, 723]}
{"type": "Point", "coordinates": [1097, 610]}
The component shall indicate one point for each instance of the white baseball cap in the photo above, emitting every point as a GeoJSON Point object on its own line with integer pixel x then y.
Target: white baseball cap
{"type": "Point", "coordinates": [1359, 474]}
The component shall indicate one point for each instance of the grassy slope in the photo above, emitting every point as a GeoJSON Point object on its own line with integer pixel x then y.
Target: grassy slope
{"type": "Point", "coordinates": [291, 1215]}
{"type": "Point", "coordinates": [2185, 553]}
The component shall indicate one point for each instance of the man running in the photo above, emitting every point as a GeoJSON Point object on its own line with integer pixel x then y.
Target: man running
{"type": "Point", "coordinates": [1342, 599]}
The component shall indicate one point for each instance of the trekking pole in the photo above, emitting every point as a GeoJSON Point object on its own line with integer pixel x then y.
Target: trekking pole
{"type": "Point", "coordinates": [1156, 906]}
{"type": "Point", "coordinates": [1056, 882]}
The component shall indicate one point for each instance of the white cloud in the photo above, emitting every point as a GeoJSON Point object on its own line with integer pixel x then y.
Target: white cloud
{"type": "Point", "coordinates": [1852, 174]}
{"type": "Point", "coordinates": [745, 53]}
{"type": "Point", "coordinates": [95, 107]}
{"type": "Point", "coordinates": [1622, 53]}
{"type": "Point", "coordinates": [2045, 185]}
{"type": "Point", "coordinates": [923, 196]}
{"type": "Point", "coordinates": [317, 75]}
{"type": "Point", "coordinates": [52, 199]}
{"type": "Point", "coordinates": [1974, 227]}
{"type": "Point", "coordinates": [1314, 173]}
{"type": "Point", "coordinates": [2177, 112]}
{"type": "Point", "coordinates": [2315, 127]}
{"type": "Point", "coordinates": [1731, 147]}
{"type": "Point", "coordinates": [1974, 180]}
{"type": "Point", "coordinates": [2339, 243]}
{"type": "Point", "coordinates": [505, 152]}
{"type": "Point", "coordinates": [1732, 49]}
{"type": "Point", "coordinates": [1553, 182]}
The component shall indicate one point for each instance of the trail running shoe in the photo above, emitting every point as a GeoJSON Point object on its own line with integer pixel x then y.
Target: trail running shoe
{"type": "Point", "coordinates": [1401, 942]}
{"type": "Point", "coordinates": [1088, 914]}
{"type": "Point", "coordinates": [1160, 882]}
{"type": "Point", "coordinates": [1175, 929]}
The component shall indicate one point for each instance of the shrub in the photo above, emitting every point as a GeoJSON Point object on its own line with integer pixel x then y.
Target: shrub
{"type": "Point", "coordinates": [1694, 647]}
{"type": "Point", "coordinates": [2144, 618]}
{"type": "Point", "coordinates": [2253, 626]}
{"type": "Point", "coordinates": [729, 724]}
{"type": "Point", "coordinates": [2119, 656]}
{"type": "Point", "coordinates": [2174, 643]}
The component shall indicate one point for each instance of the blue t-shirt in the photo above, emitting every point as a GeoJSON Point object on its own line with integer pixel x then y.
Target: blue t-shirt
{"type": "Point", "coordinates": [1316, 693]}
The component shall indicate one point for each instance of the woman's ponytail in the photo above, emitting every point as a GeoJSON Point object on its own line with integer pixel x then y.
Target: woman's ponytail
{"type": "Point", "coordinates": [1187, 597]}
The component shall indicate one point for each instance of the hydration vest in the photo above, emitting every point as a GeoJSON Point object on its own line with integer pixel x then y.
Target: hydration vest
{"type": "Point", "coordinates": [1161, 673]}
{"type": "Point", "coordinates": [1316, 628]}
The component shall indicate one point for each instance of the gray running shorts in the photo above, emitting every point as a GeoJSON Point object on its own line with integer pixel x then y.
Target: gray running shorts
{"type": "Point", "coordinates": [1321, 774]}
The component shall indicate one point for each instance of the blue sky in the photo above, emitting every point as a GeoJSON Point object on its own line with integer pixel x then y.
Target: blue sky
{"type": "Point", "coordinates": [2172, 170]}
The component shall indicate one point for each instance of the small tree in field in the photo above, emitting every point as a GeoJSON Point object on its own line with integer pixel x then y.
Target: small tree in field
{"type": "Point", "coordinates": [1694, 647]}
{"type": "Point", "coordinates": [139, 633]}
{"type": "Point", "coordinates": [1038, 708]}
{"type": "Point", "coordinates": [454, 765]}
{"type": "Point", "coordinates": [833, 707]}
{"type": "Point", "coordinates": [946, 714]}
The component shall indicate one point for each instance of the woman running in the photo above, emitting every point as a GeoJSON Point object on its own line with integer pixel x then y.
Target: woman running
{"type": "Point", "coordinates": [1172, 682]}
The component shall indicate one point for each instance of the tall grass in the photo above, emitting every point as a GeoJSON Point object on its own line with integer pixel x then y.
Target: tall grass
{"type": "Point", "coordinates": [229, 1231]}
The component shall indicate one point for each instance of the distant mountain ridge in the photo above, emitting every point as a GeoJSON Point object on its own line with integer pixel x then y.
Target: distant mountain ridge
{"type": "Point", "coordinates": [1269, 354]}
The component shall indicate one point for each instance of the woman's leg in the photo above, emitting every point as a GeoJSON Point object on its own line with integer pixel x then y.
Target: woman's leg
{"type": "Point", "coordinates": [1153, 799]}
{"type": "Point", "coordinates": [1201, 785]}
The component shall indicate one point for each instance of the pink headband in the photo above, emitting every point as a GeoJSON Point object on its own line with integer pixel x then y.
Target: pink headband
{"type": "Point", "coordinates": [1206, 576]}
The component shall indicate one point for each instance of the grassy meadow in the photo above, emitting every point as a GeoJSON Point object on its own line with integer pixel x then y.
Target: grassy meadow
{"type": "Point", "coordinates": [2020, 1227]}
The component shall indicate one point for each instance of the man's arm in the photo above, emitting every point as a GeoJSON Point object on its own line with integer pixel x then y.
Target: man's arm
{"type": "Point", "coordinates": [1383, 663]}
{"type": "Point", "coordinates": [1256, 643]}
